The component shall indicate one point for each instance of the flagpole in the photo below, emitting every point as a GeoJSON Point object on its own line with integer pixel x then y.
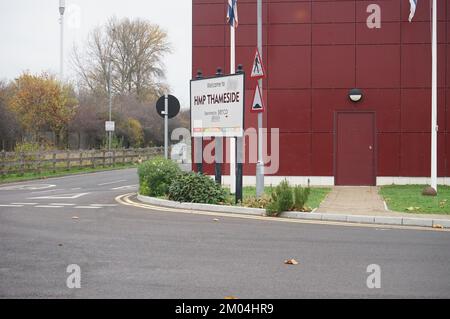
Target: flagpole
{"type": "Point", "coordinates": [434, 126]}
{"type": "Point", "coordinates": [232, 139]}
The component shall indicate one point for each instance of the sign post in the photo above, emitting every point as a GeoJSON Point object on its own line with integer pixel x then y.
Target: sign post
{"type": "Point", "coordinates": [217, 108]}
{"type": "Point", "coordinates": [167, 107]}
{"type": "Point", "coordinates": [166, 126]}
{"type": "Point", "coordinates": [260, 164]}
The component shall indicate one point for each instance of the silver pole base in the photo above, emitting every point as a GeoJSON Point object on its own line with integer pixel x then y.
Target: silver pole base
{"type": "Point", "coordinates": [259, 179]}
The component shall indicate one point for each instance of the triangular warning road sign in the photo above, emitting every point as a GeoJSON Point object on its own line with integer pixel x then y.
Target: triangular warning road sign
{"type": "Point", "coordinates": [258, 104]}
{"type": "Point", "coordinates": [258, 67]}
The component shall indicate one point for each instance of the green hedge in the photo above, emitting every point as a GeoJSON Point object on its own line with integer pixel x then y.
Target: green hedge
{"type": "Point", "coordinates": [196, 188]}
{"type": "Point", "coordinates": [156, 175]}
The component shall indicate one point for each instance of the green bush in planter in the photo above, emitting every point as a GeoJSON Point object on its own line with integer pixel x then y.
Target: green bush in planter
{"type": "Point", "coordinates": [156, 175]}
{"type": "Point", "coordinates": [196, 188]}
{"type": "Point", "coordinates": [300, 198]}
{"type": "Point", "coordinates": [282, 199]}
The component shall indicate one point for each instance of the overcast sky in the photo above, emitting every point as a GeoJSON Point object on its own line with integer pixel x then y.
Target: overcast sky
{"type": "Point", "coordinates": [29, 34]}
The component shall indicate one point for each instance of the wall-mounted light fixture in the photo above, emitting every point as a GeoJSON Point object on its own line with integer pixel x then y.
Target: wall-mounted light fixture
{"type": "Point", "coordinates": [355, 95]}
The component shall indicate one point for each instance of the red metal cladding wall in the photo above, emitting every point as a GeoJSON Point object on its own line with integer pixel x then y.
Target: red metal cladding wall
{"type": "Point", "coordinates": [314, 52]}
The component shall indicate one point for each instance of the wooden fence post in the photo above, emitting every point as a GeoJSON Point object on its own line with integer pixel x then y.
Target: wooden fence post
{"type": "Point", "coordinates": [81, 159]}
{"type": "Point", "coordinates": [68, 160]}
{"type": "Point", "coordinates": [3, 171]}
{"type": "Point", "coordinates": [22, 163]}
{"type": "Point", "coordinates": [54, 161]}
{"type": "Point", "coordinates": [104, 158]}
{"type": "Point", "coordinates": [93, 158]}
{"type": "Point", "coordinates": [38, 163]}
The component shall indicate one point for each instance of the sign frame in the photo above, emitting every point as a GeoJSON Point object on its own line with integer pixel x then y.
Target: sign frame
{"type": "Point", "coordinates": [110, 126]}
{"type": "Point", "coordinates": [263, 69]}
{"type": "Point", "coordinates": [262, 109]}
{"type": "Point", "coordinates": [241, 108]}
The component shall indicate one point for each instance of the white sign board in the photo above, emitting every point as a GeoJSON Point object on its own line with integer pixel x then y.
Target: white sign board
{"type": "Point", "coordinates": [217, 106]}
{"type": "Point", "coordinates": [110, 126]}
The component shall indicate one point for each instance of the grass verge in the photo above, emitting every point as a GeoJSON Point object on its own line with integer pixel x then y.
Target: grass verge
{"type": "Point", "coordinates": [44, 175]}
{"type": "Point", "coordinates": [409, 199]}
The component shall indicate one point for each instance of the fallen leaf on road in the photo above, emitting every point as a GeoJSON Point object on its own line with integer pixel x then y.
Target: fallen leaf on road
{"type": "Point", "coordinates": [230, 297]}
{"type": "Point", "coordinates": [438, 226]}
{"type": "Point", "coordinates": [291, 262]}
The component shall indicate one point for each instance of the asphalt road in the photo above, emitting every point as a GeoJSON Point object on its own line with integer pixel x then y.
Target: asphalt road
{"type": "Point", "coordinates": [129, 252]}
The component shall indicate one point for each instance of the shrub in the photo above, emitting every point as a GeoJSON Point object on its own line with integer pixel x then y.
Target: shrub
{"type": "Point", "coordinates": [156, 175]}
{"type": "Point", "coordinates": [282, 199]}
{"type": "Point", "coordinates": [255, 202]}
{"type": "Point", "coordinates": [196, 188]}
{"type": "Point", "coordinates": [300, 198]}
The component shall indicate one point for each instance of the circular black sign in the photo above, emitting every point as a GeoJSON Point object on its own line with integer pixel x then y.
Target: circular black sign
{"type": "Point", "coordinates": [174, 106]}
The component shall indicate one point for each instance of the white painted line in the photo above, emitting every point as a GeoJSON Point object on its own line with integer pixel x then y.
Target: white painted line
{"type": "Point", "coordinates": [47, 206]}
{"type": "Point", "coordinates": [104, 205]}
{"type": "Point", "coordinates": [75, 189]}
{"type": "Point", "coordinates": [11, 205]}
{"type": "Point", "coordinates": [62, 204]}
{"type": "Point", "coordinates": [24, 204]}
{"type": "Point", "coordinates": [49, 191]}
{"type": "Point", "coordinates": [87, 207]}
{"type": "Point", "coordinates": [61, 196]}
{"type": "Point", "coordinates": [115, 182]}
{"type": "Point", "coordinates": [26, 187]}
{"type": "Point", "coordinates": [124, 187]}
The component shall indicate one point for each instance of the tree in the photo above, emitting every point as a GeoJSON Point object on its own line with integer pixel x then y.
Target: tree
{"type": "Point", "coordinates": [41, 103]}
{"type": "Point", "coordinates": [135, 49]}
{"type": "Point", "coordinates": [10, 131]}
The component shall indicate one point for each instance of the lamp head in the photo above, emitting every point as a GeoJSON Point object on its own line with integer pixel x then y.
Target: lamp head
{"type": "Point", "coordinates": [355, 95]}
{"type": "Point", "coordinates": [62, 6]}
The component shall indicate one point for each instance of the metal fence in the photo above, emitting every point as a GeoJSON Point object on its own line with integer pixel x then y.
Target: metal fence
{"type": "Point", "coordinates": [53, 161]}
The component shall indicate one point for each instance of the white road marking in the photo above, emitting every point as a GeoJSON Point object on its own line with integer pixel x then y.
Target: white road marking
{"type": "Point", "coordinates": [115, 182]}
{"type": "Point", "coordinates": [49, 191]}
{"type": "Point", "coordinates": [62, 204]}
{"type": "Point", "coordinates": [24, 204]}
{"type": "Point", "coordinates": [75, 189]}
{"type": "Point", "coordinates": [87, 207]}
{"type": "Point", "coordinates": [47, 206]}
{"type": "Point", "coordinates": [104, 205]}
{"type": "Point", "coordinates": [26, 187]}
{"type": "Point", "coordinates": [11, 205]}
{"type": "Point", "coordinates": [124, 187]}
{"type": "Point", "coordinates": [61, 196]}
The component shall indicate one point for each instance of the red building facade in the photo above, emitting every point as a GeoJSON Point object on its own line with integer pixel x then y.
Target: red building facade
{"type": "Point", "coordinates": [314, 52]}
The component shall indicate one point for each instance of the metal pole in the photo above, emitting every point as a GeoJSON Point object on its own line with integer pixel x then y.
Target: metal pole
{"type": "Point", "coordinates": [110, 105]}
{"type": "Point", "coordinates": [166, 126]}
{"type": "Point", "coordinates": [218, 148]}
{"type": "Point", "coordinates": [232, 139]}
{"type": "Point", "coordinates": [260, 164]}
{"type": "Point", "coordinates": [434, 126]}
{"type": "Point", "coordinates": [62, 8]}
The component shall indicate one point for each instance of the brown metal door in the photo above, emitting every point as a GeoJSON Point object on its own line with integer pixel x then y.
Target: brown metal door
{"type": "Point", "coordinates": [355, 148]}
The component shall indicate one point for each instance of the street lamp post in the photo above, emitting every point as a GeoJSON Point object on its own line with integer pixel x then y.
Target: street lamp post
{"type": "Point", "coordinates": [62, 8]}
{"type": "Point", "coordinates": [110, 103]}
{"type": "Point", "coordinates": [110, 87]}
